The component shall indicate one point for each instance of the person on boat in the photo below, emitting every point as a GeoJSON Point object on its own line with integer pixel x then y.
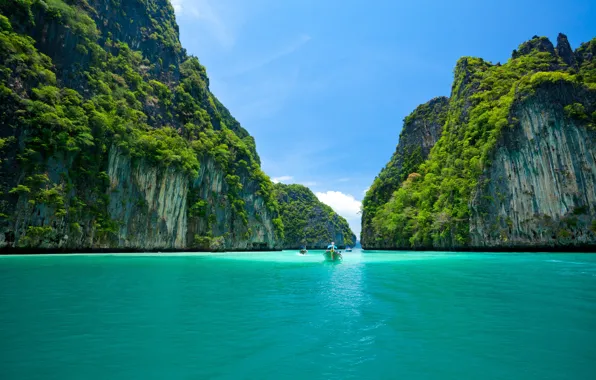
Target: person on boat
{"type": "Point", "coordinates": [331, 248]}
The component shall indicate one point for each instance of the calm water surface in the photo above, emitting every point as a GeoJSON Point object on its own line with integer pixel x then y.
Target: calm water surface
{"type": "Point", "coordinates": [283, 316]}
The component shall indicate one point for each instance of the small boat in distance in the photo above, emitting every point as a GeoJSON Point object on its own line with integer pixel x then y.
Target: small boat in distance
{"type": "Point", "coordinates": [303, 251]}
{"type": "Point", "coordinates": [332, 254]}
{"type": "Point", "coordinates": [348, 249]}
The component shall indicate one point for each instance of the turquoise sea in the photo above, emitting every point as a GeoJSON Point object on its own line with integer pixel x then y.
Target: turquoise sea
{"type": "Point", "coordinates": [278, 315]}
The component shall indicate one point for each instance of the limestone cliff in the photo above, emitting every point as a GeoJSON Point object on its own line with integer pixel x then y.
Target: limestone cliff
{"type": "Point", "coordinates": [540, 189]}
{"type": "Point", "coordinates": [111, 139]}
{"type": "Point", "coordinates": [420, 132]}
{"type": "Point", "coordinates": [309, 222]}
{"type": "Point", "coordinates": [515, 164]}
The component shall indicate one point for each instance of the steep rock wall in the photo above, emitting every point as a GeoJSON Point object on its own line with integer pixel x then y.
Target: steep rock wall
{"type": "Point", "coordinates": [149, 202]}
{"type": "Point", "coordinates": [148, 207]}
{"type": "Point", "coordinates": [219, 218]}
{"type": "Point", "coordinates": [541, 188]}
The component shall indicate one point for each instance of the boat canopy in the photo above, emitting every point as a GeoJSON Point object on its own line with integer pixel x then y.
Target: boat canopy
{"type": "Point", "coordinates": [331, 246]}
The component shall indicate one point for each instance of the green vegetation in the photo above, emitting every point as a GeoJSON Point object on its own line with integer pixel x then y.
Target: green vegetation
{"type": "Point", "coordinates": [35, 236]}
{"type": "Point", "coordinates": [70, 110]}
{"type": "Point", "coordinates": [406, 160]}
{"type": "Point", "coordinates": [308, 221]}
{"type": "Point", "coordinates": [585, 56]}
{"type": "Point", "coordinates": [431, 208]}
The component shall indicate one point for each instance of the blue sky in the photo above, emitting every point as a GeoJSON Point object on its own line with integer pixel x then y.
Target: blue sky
{"type": "Point", "coordinates": [323, 85]}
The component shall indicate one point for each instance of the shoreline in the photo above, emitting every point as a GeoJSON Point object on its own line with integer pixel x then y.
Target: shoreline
{"type": "Point", "coordinates": [535, 249]}
{"type": "Point", "coordinates": [104, 251]}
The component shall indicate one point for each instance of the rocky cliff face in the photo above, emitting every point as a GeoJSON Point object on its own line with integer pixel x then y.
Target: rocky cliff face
{"type": "Point", "coordinates": [540, 189]}
{"type": "Point", "coordinates": [420, 132]}
{"type": "Point", "coordinates": [515, 165]}
{"type": "Point", "coordinates": [309, 222]}
{"type": "Point", "coordinates": [111, 139]}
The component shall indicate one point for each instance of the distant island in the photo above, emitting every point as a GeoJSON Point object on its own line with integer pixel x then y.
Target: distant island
{"type": "Point", "coordinates": [308, 221]}
{"type": "Point", "coordinates": [507, 162]}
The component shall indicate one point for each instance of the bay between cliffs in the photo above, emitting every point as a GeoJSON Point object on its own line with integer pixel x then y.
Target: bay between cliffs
{"type": "Point", "coordinates": [278, 315]}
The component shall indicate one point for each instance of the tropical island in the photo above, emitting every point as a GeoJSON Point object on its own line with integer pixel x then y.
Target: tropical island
{"type": "Point", "coordinates": [110, 139]}
{"type": "Point", "coordinates": [508, 161]}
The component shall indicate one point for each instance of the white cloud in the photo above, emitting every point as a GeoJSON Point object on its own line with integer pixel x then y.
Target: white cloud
{"type": "Point", "coordinates": [283, 178]}
{"type": "Point", "coordinates": [365, 190]}
{"type": "Point", "coordinates": [345, 205]}
{"type": "Point", "coordinates": [309, 183]}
